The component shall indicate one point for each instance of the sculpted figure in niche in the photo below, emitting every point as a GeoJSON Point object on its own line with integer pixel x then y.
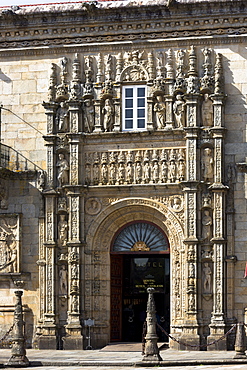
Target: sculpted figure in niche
{"type": "Point", "coordinates": [74, 304]}
{"type": "Point", "coordinates": [89, 115]}
{"type": "Point", "coordinates": [129, 173]}
{"type": "Point", "coordinates": [207, 278]}
{"type": "Point", "coordinates": [121, 173]}
{"type": "Point", "coordinates": [112, 174]}
{"type": "Point", "coordinates": [206, 226]}
{"type": "Point", "coordinates": [191, 302]}
{"type": "Point", "coordinates": [207, 111]}
{"type": "Point", "coordinates": [138, 171]}
{"type": "Point", "coordinates": [207, 165]}
{"type": "Point", "coordinates": [63, 282]}
{"type": "Point", "coordinates": [155, 172]}
{"type": "Point", "coordinates": [146, 172]}
{"type": "Point", "coordinates": [62, 231]}
{"type": "Point", "coordinates": [104, 174]}
{"type": "Point", "coordinates": [164, 171]}
{"type": "Point", "coordinates": [160, 110]}
{"type": "Point", "coordinates": [63, 170]}
{"type": "Point", "coordinates": [179, 111]}
{"type": "Point", "coordinates": [62, 118]}
{"type": "Point", "coordinates": [108, 112]}
{"type": "Point", "coordinates": [172, 171]}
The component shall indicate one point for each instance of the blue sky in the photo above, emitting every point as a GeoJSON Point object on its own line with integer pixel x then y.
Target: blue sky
{"type": "Point", "coordinates": [27, 2]}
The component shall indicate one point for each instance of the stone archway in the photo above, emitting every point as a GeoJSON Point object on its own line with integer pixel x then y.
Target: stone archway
{"type": "Point", "coordinates": [97, 257]}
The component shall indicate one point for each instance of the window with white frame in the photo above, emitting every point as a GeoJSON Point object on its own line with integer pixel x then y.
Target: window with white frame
{"type": "Point", "coordinates": [134, 108]}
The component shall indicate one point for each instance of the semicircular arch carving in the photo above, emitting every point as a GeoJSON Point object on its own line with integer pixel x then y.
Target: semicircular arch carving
{"type": "Point", "coordinates": [121, 212]}
{"type": "Point", "coordinates": [134, 73]}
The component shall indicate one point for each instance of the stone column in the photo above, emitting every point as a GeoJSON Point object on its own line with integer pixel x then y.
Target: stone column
{"type": "Point", "coordinates": [150, 125]}
{"type": "Point", "coordinates": [117, 109]}
{"type": "Point", "coordinates": [50, 144]}
{"type": "Point", "coordinates": [169, 82]}
{"type": "Point", "coordinates": [48, 338]}
{"type": "Point", "coordinates": [18, 351]}
{"type": "Point", "coordinates": [75, 116]}
{"type": "Point", "coordinates": [169, 114]}
{"type": "Point", "coordinates": [98, 124]}
{"type": "Point", "coordinates": [50, 111]}
{"type": "Point", "coordinates": [217, 326]}
{"type": "Point", "coordinates": [74, 338]}
{"type": "Point", "coordinates": [42, 274]}
{"type": "Point", "coordinates": [190, 316]}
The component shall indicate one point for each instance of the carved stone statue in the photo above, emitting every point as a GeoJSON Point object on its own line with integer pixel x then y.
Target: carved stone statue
{"type": "Point", "coordinates": [62, 231]}
{"type": "Point", "coordinates": [41, 179]}
{"type": "Point", "coordinates": [89, 115]}
{"type": "Point", "coordinates": [160, 110]}
{"type": "Point", "coordinates": [74, 303]}
{"type": "Point", "coordinates": [104, 174]}
{"type": "Point", "coordinates": [172, 171]}
{"type": "Point", "coordinates": [207, 165]}
{"type": "Point", "coordinates": [62, 117]}
{"type": "Point", "coordinates": [207, 111]}
{"type": "Point", "coordinates": [129, 173]}
{"type": "Point", "coordinates": [191, 302]}
{"type": "Point", "coordinates": [63, 170]}
{"type": "Point", "coordinates": [108, 112]}
{"type": "Point", "coordinates": [179, 111]}
{"type": "Point", "coordinates": [206, 226]}
{"type": "Point", "coordinates": [63, 280]}
{"type": "Point", "coordinates": [8, 246]}
{"type": "Point", "coordinates": [207, 278]}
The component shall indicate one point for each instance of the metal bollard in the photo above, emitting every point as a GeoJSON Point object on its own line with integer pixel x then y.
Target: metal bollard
{"type": "Point", "coordinates": [240, 343]}
{"type": "Point", "coordinates": [151, 347]}
{"type": "Point", "coordinates": [18, 352]}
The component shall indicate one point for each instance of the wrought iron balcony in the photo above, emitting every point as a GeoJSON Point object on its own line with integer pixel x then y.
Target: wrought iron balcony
{"type": "Point", "coordinates": [14, 163]}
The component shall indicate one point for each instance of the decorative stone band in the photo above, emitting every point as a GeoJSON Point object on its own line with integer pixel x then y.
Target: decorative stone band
{"type": "Point", "coordinates": [135, 167]}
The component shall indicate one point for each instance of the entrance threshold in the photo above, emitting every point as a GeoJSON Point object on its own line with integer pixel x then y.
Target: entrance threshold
{"type": "Point", "coordinates": [129, 347]}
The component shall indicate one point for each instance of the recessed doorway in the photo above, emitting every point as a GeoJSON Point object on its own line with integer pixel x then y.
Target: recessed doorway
{"type": "Point", "coordinates": [132, 272]}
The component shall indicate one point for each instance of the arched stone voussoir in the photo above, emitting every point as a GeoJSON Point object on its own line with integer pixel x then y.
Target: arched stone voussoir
{"type": "Point", "coordinates": [123, 211]}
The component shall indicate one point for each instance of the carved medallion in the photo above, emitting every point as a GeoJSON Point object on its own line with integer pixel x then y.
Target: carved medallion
{"type": "Point", "coordinates": [92, 206]}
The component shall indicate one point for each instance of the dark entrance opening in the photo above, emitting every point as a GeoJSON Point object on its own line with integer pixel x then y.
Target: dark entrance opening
{"type": "Point", "coordinates": [139, 273]}
{"type": "Point", "coordinates": [140, 258]}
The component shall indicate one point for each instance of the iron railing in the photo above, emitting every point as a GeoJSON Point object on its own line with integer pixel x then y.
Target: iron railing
{"type": "Point", "coordinates": [13, 161]}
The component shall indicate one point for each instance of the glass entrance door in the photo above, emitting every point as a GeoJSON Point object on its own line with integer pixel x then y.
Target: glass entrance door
{"type": "Point", "coordinates": [139, 273]}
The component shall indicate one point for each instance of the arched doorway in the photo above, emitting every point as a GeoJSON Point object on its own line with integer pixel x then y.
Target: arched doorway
{"type": "Point", "coordinates": [140, 258]}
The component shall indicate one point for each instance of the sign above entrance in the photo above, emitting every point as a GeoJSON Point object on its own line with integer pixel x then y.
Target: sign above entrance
{"type": "Point", "coordinates": [140, 237]}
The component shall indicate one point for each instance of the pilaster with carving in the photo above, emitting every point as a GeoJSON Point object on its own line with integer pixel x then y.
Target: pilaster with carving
{"type": "Point", "coordinates": [73, 328]}
{"type": "Point", "coordinates": [217, 326]}
{"type": "Point", "coordinates": [48, 337]}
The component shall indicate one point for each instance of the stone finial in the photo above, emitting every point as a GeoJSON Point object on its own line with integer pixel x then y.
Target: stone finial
{"type": "Point", "coordinates": [218, 75]}
{"type": "Point", "coordinates": [52, 83]}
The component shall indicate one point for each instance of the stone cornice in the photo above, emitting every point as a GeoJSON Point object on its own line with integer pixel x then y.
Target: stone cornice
{"type": "Point", "coordinates": [127, 23]}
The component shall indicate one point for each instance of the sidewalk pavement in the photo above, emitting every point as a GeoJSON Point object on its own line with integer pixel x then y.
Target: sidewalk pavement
{"type": "Point", "coordinates": [128, 354]}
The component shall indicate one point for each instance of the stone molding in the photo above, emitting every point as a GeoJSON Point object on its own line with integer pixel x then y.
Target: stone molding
{"type": "Point", "coordinates": [45, 30]}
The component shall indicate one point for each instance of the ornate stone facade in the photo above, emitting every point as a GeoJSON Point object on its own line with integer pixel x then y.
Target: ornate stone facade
{"type": "Point", "coordinates": [131, 132]}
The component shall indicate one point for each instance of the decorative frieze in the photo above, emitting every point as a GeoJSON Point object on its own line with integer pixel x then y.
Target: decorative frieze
{"type": "Point", "coordinates": [149, 166]}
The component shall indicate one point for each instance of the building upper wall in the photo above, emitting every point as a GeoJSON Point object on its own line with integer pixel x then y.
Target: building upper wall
{"type": "Point", "coordinates": [34, 37]}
